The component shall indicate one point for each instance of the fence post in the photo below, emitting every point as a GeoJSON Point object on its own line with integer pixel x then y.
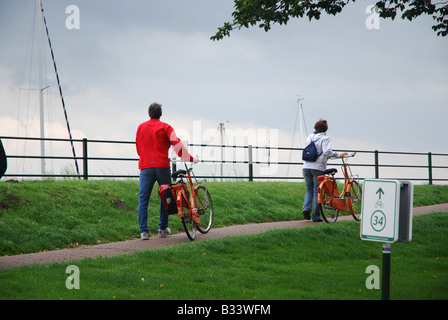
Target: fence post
{"type": "Point", "coordinates": [251, 168]}
{"type": "Point", "coordinates": [430, 167]}
{"type": "Point", "coordinates": [84, 159]}
{"type": "Point", "coordinates": [173, 167]}
{"type": "Point", "coordinates": [377, 169]}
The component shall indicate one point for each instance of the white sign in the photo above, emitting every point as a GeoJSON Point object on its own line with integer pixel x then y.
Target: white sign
{"type": "Point", "coordinates": [380, 210]}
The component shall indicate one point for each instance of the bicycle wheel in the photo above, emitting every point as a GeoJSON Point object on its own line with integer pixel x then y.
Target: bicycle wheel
{"type": "Point", "coordinates": [205, 209]}
{"type": "Point", "coordinates": [355, 200]}
{"type": "Point", "coordinates": [329, 214]}
{"type": "Point", "coordinates": [189, 225]}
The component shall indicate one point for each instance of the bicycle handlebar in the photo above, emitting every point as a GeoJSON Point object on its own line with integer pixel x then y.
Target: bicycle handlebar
{"type": "Point", "coordinates": [350, 155]}
{"type": "Point", "coordinates": [181, 160]}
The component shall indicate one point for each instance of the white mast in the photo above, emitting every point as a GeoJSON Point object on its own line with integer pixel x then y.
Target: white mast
{"type": "Point", "coordinates": [221, 130]}
{"type": "Point", "coordinates": [222, 133]}
{"type": "Point", "coordinates": [303, 130]}
{"type": "Point", "coordinates": [41, 86]}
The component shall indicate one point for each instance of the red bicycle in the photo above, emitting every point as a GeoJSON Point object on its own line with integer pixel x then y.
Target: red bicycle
{"type": "Point", "coordinates": [194, 204]}
{"type": "Point", "coordinates": [331, 201]}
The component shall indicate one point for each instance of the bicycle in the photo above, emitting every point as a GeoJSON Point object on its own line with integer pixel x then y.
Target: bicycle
{"type": "Point", "coordinates": [194, 206]}
{"type": "Point", "coordinates": [330, 201]}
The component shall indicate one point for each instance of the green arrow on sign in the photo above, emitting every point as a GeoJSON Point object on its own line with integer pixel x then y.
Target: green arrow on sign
{"type": "Point", "coordinates": [379, 192]}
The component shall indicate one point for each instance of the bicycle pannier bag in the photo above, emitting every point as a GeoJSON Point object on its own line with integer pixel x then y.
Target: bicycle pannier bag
{"type": "Point", "coordinates": [168, 198]}
{"type": "Point", "coordinates": [310, 152]}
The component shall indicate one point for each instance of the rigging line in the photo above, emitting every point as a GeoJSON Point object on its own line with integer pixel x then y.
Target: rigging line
{"type": "Point", "coordinates": [60, 92]}
{"type": "Point", "coordinates": [292, 142]}
{"type": "Point", "coordinates": [48, 109]}
{"type": "Point", "coordinates": [304, 123]}
{"type": "Point", "coordinates": [19, 102]}
{"type": "Point", "coordinates": [29, 88]}
{"type": "Point", "coordinates": [11, 54]}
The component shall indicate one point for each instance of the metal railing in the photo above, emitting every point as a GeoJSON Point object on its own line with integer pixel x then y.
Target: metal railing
{"type": "Point", "coordinates": [381, 164]}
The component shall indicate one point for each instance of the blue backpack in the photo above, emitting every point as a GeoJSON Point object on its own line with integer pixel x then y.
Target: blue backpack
{"type": "Point", "coordinates": [310, 152]}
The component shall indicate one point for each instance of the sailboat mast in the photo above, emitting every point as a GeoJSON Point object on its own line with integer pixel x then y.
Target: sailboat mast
{"type": "Point", "coordinates": [302, 123]}
{"type": "Point", "coordinates": [41, 86]}
{"type": "Point", "coordinates": [221, 130]}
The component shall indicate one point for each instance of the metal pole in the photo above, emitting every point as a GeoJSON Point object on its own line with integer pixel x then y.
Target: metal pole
{"type": "Point", "coordinates": [377, 169]}
{"type": "Point", "coordinates": [386, 271]}
{"type": "Point", "coordinates": [221, 129]}
{"type": "Point", "coordinates": [430, 167]}
{"type": "Point", "coordinates": [302, 124]}
{"type": "Point", "coordinates": [251, 167]}
{"type": "Point", "coordinates": [41, 88]}
{"type": "Point", "coordinates": [85, 159]}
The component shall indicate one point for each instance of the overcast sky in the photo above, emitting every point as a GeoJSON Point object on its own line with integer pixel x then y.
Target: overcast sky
{"type": "Point", "coordinates": [383, 88]}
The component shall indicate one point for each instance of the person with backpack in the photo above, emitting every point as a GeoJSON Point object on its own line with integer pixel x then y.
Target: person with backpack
{"type": "Point", "coordinates": [315, 155]}
{"type": "Point", "coordinates": [153, 140]}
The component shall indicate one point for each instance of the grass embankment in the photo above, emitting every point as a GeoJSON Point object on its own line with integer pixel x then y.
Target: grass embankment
{"type": "Point", "coordinates": [48, 215]}
{"type": "Point", "coordinates": [318, 262]}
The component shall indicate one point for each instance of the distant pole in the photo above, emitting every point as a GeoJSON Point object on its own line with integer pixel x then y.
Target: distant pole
{"type": "Point", "coordinates": [303, 132]}
{"type": "Point", "coordinates": [221, 130]}
{"type": "Point", "coordinates": [251, 166]}
{"type": "Point", "coordinates": [302, 129]}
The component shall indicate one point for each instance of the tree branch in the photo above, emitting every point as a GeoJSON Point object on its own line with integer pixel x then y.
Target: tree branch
{"type": "Point", "coordinates": [267, 12]}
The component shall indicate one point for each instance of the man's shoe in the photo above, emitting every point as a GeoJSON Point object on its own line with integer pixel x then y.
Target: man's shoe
{"type": "Point", "coordinates": [144, 236]}
{"type": "Point", "coordinates": [318, 220]}
{"type": "Point", "coordinates": [306, 215]}
{"type": "Point", "coordinates": [164, 233]}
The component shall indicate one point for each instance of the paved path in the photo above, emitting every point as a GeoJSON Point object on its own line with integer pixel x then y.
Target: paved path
{"type": "Point", "coordinates": [116, 248]}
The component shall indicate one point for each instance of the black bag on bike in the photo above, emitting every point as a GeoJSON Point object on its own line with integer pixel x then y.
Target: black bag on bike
{"type": "Point", "coordinates": [167, 196]}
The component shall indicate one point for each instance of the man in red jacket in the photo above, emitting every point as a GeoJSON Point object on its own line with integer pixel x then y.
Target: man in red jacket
{"type": "Point", "coordinates": [153, 140]}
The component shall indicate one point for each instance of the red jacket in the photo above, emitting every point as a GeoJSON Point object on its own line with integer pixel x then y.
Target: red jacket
{"type": "Point", "coordinates": [154, 139]}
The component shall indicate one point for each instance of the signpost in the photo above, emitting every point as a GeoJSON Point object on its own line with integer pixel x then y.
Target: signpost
{"type": "Point", "coordinates": [380, 210]}
{"type": "Point", "coordinates": [387, 217]}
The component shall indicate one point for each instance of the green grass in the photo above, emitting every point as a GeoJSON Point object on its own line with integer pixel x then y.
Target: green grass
{"type": "Point", "coordinates": [316, 263]}
{"type": "Point", "coordinates": [319, 262]}
{"type": "Point", "coordinates": [52, 214]}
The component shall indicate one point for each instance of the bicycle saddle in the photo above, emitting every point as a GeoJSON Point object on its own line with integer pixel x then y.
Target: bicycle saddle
{"type": "Point", "coordinates": [331, 171]}
{"type": "Point", "coordinates": [177, 173]}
